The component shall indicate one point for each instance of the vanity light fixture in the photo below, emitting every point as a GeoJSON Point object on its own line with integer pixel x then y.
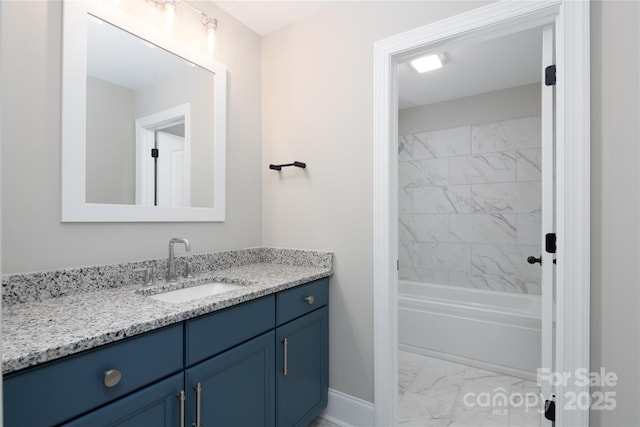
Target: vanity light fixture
{"type": "Point", "coordinates": [170, 7]}
{"type": "Point", "coordinates": [211, 25]}
{"type": "Point", "coordinates": [429, 62]}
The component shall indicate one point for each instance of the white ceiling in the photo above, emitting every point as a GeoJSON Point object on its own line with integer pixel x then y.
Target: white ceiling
{"type": "Point", "coordinates": [265, 16]}
{"type": "Point", "coordinates": [501, 63]}
{"type": "Point", "coordinates": [496, 64]}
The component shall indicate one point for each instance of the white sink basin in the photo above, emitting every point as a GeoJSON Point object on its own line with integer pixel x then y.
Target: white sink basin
{"type": "Point", "coordinates": [195, 292]}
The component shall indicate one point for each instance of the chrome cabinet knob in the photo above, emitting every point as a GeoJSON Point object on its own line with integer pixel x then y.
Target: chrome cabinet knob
{"type": "Point", "coordinates": [112, 377]}
{"type": "Point", "coordinates": [310, 300]}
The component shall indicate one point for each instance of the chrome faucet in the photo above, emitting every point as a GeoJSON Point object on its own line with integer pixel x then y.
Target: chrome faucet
{"type": "Point", "coordinates": [171, 270]}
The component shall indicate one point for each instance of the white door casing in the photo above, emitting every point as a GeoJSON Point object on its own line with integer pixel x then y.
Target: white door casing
{"type": "Point", "coordinates": [548, 223]}
{"type": "Point", "coordinates": [146, 128]}
{"type": "Point", "coordinates": [570, 21]}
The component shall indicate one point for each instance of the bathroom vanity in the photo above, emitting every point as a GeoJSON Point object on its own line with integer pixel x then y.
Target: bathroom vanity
{"type": "Point", "coordinates": [253, 356]}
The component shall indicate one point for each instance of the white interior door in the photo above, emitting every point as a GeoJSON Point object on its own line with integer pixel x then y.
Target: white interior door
{"type": "Point", "coordinates": [170, 173]}
{"type": "Point", "coordinates": [547, 364]}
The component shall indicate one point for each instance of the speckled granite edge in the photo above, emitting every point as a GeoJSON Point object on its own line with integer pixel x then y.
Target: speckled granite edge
{"type": "Point", "coordinates": [37, 332]}
{"type": "Point", "coordinates": [299, 257]}
{"type": "Point", "coordinates": [34, 287]}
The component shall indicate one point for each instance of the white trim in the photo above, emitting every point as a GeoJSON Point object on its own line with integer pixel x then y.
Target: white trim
{"type": "Point", "coordinates": [572, 39]}
{"type": "Point", "coordinates": [145, 141]}
{"type": "Point", "coordinates": [1, 115]}
{"type": "Point", "coordinates": [573, 202]}
{"type": "Point", "coordinates": [548, 214]}
{"type": "Point", "coordinates": [73, 170]}
{"type": "Point", "coordinates": [347, 411]}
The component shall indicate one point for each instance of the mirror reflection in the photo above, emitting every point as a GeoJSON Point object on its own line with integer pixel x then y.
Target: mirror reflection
{"type": "Point", "coordinates": [149, 123]}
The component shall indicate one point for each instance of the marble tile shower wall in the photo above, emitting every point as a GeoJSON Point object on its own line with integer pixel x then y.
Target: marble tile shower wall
{"type": "Point", "coordinates": [470, 205]}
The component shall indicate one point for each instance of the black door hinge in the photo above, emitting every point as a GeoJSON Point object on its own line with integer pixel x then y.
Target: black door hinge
{"type": "Point", "coordinates": [154, 153]}
{"type": "Point", "coordinates": [550, 243]}
{"type": "Point", "coordinates": [550, 410]}
{"type": "Point", "coordinates": [550, 75]}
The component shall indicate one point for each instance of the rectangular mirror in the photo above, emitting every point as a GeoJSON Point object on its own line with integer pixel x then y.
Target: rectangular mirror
{"type": "Point", "coordinates": [143, 126]}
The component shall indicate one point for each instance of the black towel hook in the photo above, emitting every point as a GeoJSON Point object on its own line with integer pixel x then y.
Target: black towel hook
{"type": "Point", "coordinates": [296, 164]}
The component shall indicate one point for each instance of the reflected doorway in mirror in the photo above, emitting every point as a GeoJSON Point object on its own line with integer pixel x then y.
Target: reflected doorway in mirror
{"type": "Point", "coordinates": [163, 167]}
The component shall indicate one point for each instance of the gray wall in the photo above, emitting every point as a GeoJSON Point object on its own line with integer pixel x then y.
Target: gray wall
{"type": "Point", "coordinates": [512, 103]}
{"type": "Point", "coordinates": [615, 213]}
{"type": "Point", "coordinates": [33, 238]}
{"type": "Point", "coordinates": [111, 150]}
{"type": "Point", "coordinates": [318, 107]}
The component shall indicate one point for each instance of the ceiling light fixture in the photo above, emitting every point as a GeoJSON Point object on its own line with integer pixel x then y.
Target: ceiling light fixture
{"type": "Point", "coordinates": [429, 62]}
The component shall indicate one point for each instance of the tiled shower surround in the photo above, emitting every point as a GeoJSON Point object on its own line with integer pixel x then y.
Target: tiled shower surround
{"type": "Point", "coordinates": [470, 205]}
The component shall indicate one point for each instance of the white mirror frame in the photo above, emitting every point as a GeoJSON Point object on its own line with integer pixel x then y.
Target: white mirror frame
{"type": "Point", "coordinates": [74, 62]}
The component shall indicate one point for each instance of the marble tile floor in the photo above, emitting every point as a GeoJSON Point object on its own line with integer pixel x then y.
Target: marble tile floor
{"type": "Point", "coordinates": [435, 392]}
{"type": "Point", "coordinates": [321, 422]}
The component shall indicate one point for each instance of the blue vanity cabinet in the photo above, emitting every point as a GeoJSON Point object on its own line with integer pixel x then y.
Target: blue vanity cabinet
{"type": "Point", "coordinates": [229, 378]}
{"type": "Point", "coordinates": [58, 391]}
{"type": "Point", "coordinates": [301, 300]}
{"type": "Point", "coordinates": [158, 405]}
{"type": "Point", "coordinates": [302, 354]}
{"type": "Point", "coordinates": [259, 363]}
{"type": "Point", "coordinates": [211, 334]}
{"type": "Point", "coordinates": [235, 388]}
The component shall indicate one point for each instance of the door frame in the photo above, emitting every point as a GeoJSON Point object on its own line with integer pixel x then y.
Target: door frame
{"type": "Point", "coordinates": [145, 128]}
{"type": "Point", "coordinates": [571, 23]}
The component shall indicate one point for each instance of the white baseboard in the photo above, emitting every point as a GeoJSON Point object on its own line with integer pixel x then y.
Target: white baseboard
{"type": "Point", "coordinates": [348, 411]}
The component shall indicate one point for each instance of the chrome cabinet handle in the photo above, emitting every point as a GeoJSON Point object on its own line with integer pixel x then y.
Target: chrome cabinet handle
{"type": "Point", "coordinates": [198, 388]}
{"type": "Point", "coordinates": [309, 299]}
{"type": "Point", "coordinates": [112, 377]}
{"type": "Point", "coordinates": [181, 399]}
{"type": "Point", "coordinates": [285, 368]}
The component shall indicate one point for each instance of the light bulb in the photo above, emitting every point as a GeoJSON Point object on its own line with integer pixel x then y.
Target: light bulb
{"type": "Point", "coordinates": [211, 40]}
{"type": "Point", "coordinates": [210, 24]}
{"type": "Point", "coordinates": [170, 13]}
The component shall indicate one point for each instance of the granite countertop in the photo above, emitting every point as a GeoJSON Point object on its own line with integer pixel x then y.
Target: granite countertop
{"type": "Point", "coordinates": [39, 331]}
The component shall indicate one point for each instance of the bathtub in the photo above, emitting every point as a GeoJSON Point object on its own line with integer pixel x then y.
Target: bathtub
{"type": "Point", "coordinates": [493, 330]}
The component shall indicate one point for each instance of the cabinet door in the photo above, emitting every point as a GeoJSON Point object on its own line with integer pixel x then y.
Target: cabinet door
{"type": "Point", "coordinates": [71, 386]}
{"type": "Point", "coordinates": [237, 387]}
{"type": "Point", "coordinates": [157, 405]}
{"type": "Point", "coordinates": [302, 368]}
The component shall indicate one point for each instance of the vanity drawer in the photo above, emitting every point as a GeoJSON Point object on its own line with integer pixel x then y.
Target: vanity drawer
{"type": "Point", "coordinates": [216, 332]}
{"type": "Point", "coordinates": [58, 391]}
{"type": "Point", "coordinates": [301, 300]}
